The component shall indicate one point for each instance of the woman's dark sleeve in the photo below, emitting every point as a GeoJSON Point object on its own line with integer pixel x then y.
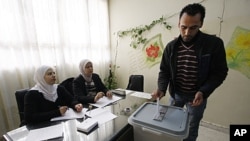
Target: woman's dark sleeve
{"type": "Point", "coordinates": [80, 91]}
{"type": "Point", "coordinates": [66, 99]}
{"type": "Point", "coordinates": [99, 84]}
{"type": "Point", "coordinates": [34, 109]}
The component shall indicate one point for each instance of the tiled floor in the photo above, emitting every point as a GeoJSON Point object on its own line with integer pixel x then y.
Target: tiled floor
{"type": "Point", "coordinates": [208, 132]}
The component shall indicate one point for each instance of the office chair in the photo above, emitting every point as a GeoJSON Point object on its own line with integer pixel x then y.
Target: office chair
{"type": "Point", "coordinates": [20, 104]}
{"type": "Point", "coordinates": [67, 84]}
{"type": "Point", "coordinates": [136, 83]}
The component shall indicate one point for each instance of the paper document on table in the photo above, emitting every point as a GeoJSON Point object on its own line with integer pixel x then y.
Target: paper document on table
{"type": "Point", "coordinates": [104, 101]}
{"type": "Point", "coordinates": [126, 91]}
{"type": "Point", "coordinates": [102, 118]}
{"type": "Point", "coordinates": [45, 133]}
{"type": "Point", "coordinates": [101, 115]}
{"type": "Point", "coordinates": [87, 125]}
{"type": "Point", "coordinates": [19, 134]}
{"type": "Point", "coordinates": [71, 114]}
{"type": "Point", "coordinates": [129, 92]}
{"type": "Point", "coordinates": [142, 95]}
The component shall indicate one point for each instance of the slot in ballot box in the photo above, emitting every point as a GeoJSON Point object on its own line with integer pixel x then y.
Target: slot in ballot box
{"type": "Point", "coordinates": [172, 127]}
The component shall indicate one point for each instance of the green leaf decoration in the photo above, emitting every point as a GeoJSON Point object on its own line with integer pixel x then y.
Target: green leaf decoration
{"type": "Point", "coordinates": [137, 33]}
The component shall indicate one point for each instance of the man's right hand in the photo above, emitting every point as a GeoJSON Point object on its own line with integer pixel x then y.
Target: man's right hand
{"type": "Point", "coordinates": [156, 94]}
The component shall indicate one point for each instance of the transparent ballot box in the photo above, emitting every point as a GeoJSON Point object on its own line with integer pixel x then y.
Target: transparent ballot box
{"type": "Point", "coordinates": [159, 122]}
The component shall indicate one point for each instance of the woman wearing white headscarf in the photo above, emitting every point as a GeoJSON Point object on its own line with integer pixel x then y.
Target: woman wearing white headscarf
{"type": "Point", "coordinates": [88, 87]}
{"type": "Point", "coordinates": [46, 99]}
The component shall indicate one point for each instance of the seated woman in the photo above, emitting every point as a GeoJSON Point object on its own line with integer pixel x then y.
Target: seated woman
{"type": "Point", "coordinates": [88, 87]}
{"type": "Point", "coordinates": [46, 99]}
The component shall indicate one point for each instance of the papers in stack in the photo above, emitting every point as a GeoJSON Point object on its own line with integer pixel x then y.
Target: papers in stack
{"type": "Point", "coordinates": [104, 101]}
{"type": "Point", "coordinates": [119, 92]}
{"type": "Point", "coordinates": [19, 134]}
{"type": "Point", "coordinates": [126, 91]}
{"type": "Point", "coordinates": [45, 133]}
{"type": "Point", "coordinates": [101, 115]}
{"type": "Point", "coordinates": [142, 95]}
{"type": "Point", "coordinates": [86, 125]}
{"type": "Point", "coordinates": [71, 114]}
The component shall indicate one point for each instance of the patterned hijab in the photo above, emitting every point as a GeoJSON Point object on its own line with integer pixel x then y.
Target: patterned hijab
{"type": "Point", "coordinates": [49, 91]}
{"type": "Point", "coordinates": [82, 66]}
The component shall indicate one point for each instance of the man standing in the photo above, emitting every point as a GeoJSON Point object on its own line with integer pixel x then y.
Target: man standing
{"type": "Point", "coordinates": [192, 66]}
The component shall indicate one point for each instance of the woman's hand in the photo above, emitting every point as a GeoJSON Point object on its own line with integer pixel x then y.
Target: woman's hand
{"type": "Point", "coordinates": [109, 94]}
{"type": "Point", "coordinates": [98, 96]}
{"type": "Point", "coordinates": [78, 107]}
{"type": "Point", "coordinates": [63, 109]}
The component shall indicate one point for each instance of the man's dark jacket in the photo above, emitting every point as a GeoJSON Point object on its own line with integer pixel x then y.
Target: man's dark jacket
{"type": "Point", "coordinates": [212, 65]}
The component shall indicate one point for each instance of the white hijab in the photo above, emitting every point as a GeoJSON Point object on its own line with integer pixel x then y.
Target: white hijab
{"type": "Point", "coordinates": [82, 66]}
{"type": "Point", "coordinates": [49, 91]}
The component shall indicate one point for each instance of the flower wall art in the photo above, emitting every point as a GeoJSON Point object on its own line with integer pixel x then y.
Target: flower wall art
{"type": "Point", "coordinates": [153, 50]}
{"type": "Point", "coordinates": [238, 51]}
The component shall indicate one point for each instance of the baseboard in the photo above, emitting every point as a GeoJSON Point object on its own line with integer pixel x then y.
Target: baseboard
{"type": "Point", "coordinates": [214, 126]}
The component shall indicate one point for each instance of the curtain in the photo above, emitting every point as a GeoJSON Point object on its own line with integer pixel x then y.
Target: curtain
{"type": "Point", "coordinates": [53, 32]}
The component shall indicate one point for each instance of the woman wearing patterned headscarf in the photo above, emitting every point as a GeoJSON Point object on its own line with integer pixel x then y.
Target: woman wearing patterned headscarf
{"type": "Point", "coordinates": [88, 87]}
{"type": "Point", "coordinates": [46, 99]}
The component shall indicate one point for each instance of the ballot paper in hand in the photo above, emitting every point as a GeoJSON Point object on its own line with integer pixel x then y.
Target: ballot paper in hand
{"type": "Point", "coordinates": [160, 111]}
{"type": "Point", "coordinates": [45, 133]}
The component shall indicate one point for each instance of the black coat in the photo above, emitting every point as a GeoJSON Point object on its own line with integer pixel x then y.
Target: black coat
{"type": "Point", "coordinates": [212, 65]}
{"type": "Point", "coordinates": [38, 109]}
{"type": "Point", "coordinates": [80, 91]}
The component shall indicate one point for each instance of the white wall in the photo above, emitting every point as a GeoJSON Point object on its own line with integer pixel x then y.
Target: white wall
{"type": "Point", "coordinates": [229, 103]}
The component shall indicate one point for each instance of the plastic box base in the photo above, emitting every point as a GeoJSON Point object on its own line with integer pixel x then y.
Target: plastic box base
{"type": "Point", "coordinates": [172, 127]}
{"type": "Point", "coordinates": [141, 135]}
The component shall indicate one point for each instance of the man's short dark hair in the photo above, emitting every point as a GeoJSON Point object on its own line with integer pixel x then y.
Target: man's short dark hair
{"type": "Point", "coordinates": [193, 9]}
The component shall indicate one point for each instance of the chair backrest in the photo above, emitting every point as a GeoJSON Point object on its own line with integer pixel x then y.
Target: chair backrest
{"type": "Point", "coordinates": [67, 83]}
{"type": "Point", "coordinates": [20, 103]}
{"type": "Point", "coordinates": [136, 83]}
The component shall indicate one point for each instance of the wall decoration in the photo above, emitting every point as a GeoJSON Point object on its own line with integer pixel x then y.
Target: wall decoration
{"type": "Point", "coordinates": [238, 51]}
{"type": "Point", "coordinates": [153, 50]}
{"type": "Point", "coordinates": [136, 33]}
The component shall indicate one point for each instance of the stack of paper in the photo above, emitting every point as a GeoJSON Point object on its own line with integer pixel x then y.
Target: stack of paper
{"type": "Point", "coordinates": [71, 114]}
{"type": "Point", "coordinates": [104, 101]}
{"type": "Point", "coordinates": [46, 133]}
{"type": "Point", "coordinates": [86, 125]}
{"type": "Point", "coordinates": [142, 95]}
{"type": "Point", "coordinates": [19, 134]}
{"type": "Point", "coordinates": [101, 115]}
{"type": "Point", "coordinates": [126, 91]}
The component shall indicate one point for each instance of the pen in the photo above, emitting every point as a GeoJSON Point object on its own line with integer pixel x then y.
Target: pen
{"type": "Point", "coordinates": [90, 108]}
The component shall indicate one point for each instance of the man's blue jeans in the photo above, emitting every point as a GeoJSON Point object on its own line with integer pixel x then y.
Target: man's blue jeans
{"type": "Point", "coordinates": [195, 113]}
